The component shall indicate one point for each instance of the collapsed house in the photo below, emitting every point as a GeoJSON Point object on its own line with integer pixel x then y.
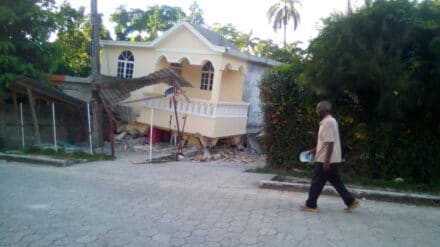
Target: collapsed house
{"type": "Point", "coordinates": [223, 102]}
{"type": "Point", "coordinates": [190, 85]}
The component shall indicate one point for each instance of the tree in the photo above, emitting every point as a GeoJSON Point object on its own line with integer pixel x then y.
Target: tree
{"type": "Point", "coordinates": [245, 42]}
{"type": "Point", "coordinates": [73, 41]}
{"type": "Point", "coordinates": [381, 65]}
{"type": "Point", "coordinates": [145, 24]}
{"type": "Point", "coordinates": [228, 31]}
{"type": "Point", "coordinates": [267, 48]}
{"type": "Point", "coordinates": [122, 18]}
{"type": "Point", "coordinates": [195, 14]}
{"type": "Point", "coordinates": [25, 27]}
{"type": "Point", "coordinates": [281, 13]}
{"type": "Point", "coordinates": [161, 18]}
{"type": "Point", "coordinates": [154, 24]}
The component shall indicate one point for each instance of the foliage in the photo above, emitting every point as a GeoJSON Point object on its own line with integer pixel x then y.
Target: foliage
{"type": "Point", "coordinates": [245, 42]}
{"type": "Point", "coordinates": [145, 24]}
{"type": "Point", "coordinates": [25, 26]}
{"type": "Point", "coordinates": [281, 13]}
{"type": "Point", "coordinates": [195, 14]}
{"type": "Point", "coordinates": [73, 41]}
{"type": "Point", "coordinates": [380, 66]}
{"type": "Point", "coordinates": [288, 113]}
{"type": "Point", "coordinates": [268, 49]}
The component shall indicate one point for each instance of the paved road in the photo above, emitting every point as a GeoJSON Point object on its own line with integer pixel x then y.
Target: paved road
{"type": "Point", "coordinates": [187, 204]}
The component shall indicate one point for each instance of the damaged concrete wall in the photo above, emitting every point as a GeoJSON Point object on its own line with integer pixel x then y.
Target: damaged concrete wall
{"type": "Point", "coordinates": [251, 94]}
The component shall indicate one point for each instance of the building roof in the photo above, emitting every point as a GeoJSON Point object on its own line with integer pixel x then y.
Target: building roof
{"type": "Point", "coordinates": [230, 49]}
{"type": "Point", "coordinates": [43, 90]}
{"type": "Point", "coordinates": [215, 41]}
{"type": "Point", "coordinates": [213, 37]}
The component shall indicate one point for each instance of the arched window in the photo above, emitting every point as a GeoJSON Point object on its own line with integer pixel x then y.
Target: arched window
{"type": "Point", "coordinates": [125, 64]}
{"type": "Point", "coordinates": [207, 76]}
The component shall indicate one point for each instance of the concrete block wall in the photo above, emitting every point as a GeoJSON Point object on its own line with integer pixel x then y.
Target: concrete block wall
{"type": "Point", "coordinates": [251, 94]}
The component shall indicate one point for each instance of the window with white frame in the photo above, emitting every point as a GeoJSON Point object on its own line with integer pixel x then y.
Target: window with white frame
{"type": "Point", "coordinates": [207, 77]}
{"type": "Point", "coordinates": [125, 64]}
{"type": "Point", "coordinates": [177, 67]}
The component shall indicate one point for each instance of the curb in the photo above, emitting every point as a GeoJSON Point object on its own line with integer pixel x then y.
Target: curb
{"type": "Point", "coordinates": [359, 193]}
{"type": "Point", "coordinates": [37, 160]}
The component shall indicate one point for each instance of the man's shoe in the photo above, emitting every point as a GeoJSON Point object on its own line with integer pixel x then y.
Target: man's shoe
{"type": "Point", "coordinates": [308, 209]}
{"type": "Point", "coordinates": [354, 205]}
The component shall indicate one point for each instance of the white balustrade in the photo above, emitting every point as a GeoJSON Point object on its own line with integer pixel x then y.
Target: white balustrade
{"type": "Point", "coordinates": [201, 108]}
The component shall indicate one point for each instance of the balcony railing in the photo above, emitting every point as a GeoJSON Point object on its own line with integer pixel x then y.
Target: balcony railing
{"type": "Point", "coordinates": [201, 108]}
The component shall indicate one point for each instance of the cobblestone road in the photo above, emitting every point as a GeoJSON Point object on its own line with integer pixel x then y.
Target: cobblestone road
{"type": "Point", "coordinates": [187, 204]}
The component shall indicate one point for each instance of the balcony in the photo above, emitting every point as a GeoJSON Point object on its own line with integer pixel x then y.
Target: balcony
{"type": "Point", "coordinates": [201, 108]}
{"type": "Point", "coordinates": [205, 118]}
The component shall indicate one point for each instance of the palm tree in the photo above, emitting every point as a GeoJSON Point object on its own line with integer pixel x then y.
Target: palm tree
{"type": "Point", "coordinates": [281, 13]}
{"type": "Point", "coordinates": [246, 42]}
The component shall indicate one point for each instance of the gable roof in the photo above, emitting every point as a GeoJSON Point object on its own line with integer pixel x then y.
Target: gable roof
{"type": "Point", "coordinates": [215, 41]}
{"type": "Point", "coordinates": [213, 37]}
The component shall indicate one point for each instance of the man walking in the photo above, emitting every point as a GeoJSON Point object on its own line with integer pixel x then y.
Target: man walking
{"type": "Point", "coordinates": [328, 156]}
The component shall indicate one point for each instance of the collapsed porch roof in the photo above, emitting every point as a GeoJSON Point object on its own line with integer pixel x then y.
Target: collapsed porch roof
{"type": "Point", "coordinates": [115, 89]}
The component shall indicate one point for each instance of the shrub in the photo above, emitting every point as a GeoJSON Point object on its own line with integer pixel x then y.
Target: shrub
{"type": "Point", "coordinates": [380, 67]}
{"type": "Point", "coordinates": [289, 115]}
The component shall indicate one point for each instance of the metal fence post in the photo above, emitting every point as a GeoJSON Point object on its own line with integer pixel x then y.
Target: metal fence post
{"type": "Point", "coordinates": [22, 125]}
{"type": "Point", "coordinates": [90, 128]}
{"type": "Point", "coordinates": [151, 134]}
{"type": "Point", "coordinates": [54, 128]}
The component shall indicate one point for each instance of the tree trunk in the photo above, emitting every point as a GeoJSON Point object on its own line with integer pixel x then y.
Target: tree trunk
{"type": "Point", "coordinates": [285, 30]}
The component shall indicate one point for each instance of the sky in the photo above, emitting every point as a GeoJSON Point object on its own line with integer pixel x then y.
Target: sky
{"type": "Point", "coordinates": [246, 15]}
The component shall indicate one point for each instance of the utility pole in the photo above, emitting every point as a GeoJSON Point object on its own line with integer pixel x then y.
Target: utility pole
{"type": "Point", "coordinates": [94, 62]}
{"type": "Point", "coordinates": [94, 21]}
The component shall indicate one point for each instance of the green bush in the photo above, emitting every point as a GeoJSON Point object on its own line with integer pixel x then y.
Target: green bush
{"type": "Point", "coordinates": [289, 115]}
{"type": "Point", "coordinates": [380, 67]}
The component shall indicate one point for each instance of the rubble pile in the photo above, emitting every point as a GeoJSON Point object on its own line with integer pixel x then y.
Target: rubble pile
{"type": "Point", "coordinates": [231, 154]}
{"type": "Point", "coordinates": [131, 137]}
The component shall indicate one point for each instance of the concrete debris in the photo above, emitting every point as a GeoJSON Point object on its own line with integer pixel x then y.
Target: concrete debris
{"type": "Point", "coordinates": [121, 136]}
{"type": "Point", "coordinates": [200, 157]}
{"type": "Point", "coordinates": [131, 128]}
{"type": "Point", "coordinates": [131, 138]}
{"type": "Point", "coordinates": [142, 148]}
{"type": "Point", "coordinates": [217, 156]}
{"type": "Point", "coordinates": [230, 154]}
